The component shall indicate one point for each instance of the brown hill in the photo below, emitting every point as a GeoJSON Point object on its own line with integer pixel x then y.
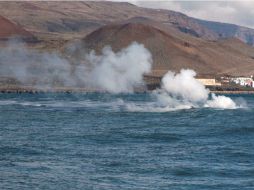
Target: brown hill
{"type": "Point", "coordinates": [174, 39]}
{"type": "Point", "coordinates": [72, 19]}
{"type": "Point", "coordinates": [9, 30]}
{"type": "Point", "coordinates": [68, 20]}
{"type": "Point", "coordinates": [174, 51]}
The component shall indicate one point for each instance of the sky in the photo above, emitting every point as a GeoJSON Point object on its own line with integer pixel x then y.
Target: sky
{"type": "Point", "coordinates": [236, 12]}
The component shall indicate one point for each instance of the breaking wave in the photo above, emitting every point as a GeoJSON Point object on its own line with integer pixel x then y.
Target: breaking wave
{"type": "Point", "coordinates": [153, 104]}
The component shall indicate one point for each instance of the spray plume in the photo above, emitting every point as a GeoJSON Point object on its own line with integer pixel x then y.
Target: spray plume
{"type": "Point", "coordinates": [114, 72]}
{"type": "Point", "coordinates": [111, 72]}
{"type": "Point", "coordinates": [121, 71]}
{"type": "Point", "coordinates": [182, 91]}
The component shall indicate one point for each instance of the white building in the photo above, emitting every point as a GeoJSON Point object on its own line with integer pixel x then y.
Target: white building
{"type": "Point", "coordinates": [244, 81]}
{"type": "Point", "coordinates": [209, 81]}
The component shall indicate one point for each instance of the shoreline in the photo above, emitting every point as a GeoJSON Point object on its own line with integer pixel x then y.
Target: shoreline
{"type": "Point", "coordinates": [32, 90]}
{"type": "Point", "coordinates": [233, 92]}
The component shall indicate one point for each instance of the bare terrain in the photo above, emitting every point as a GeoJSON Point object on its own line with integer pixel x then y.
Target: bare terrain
{"type": "Point", "coordinates": [9, 30]}
{"type": "Point", "coordinates": [174, 51]}
{"type": "Point", "coordinates": [175, 40]}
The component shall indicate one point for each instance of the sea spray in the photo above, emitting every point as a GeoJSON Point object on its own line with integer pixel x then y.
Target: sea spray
{"type": "Point", "coordinates": [113, 72]}
{"type": "Point", "coordinates": [110, 71]}
{"type": "Point", "coordinates": [183, 91]}
{"type": "Point", "coordinates": [34, 68]}
{"type": "Point", "coordinates": [121, 71]}
{"type": "Point", "coordinates": [184, 86]}
{"type": "Point", "coordinates": [222, 102]}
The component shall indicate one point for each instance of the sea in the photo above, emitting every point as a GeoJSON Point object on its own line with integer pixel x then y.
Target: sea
{"type": "Point", "coordinates": [101, 141]}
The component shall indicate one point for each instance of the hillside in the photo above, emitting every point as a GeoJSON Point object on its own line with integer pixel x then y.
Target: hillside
{"type": "Point", "coordinates": [10, 30]}
{"type": "Point", "coordinates": [225, 30]}
{"type": "Point", "coordinates": [69, 20]}
{"type": "Point", "coordinates": [175, 40]}
{"type": "Point", "coordinates": [169, 51]}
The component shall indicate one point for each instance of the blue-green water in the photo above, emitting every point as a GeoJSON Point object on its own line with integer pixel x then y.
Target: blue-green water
{"type": "Point", "coordinates": [91, 141]}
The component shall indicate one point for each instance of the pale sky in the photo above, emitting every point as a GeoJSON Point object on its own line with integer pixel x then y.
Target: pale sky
{"type": "Point", "coordinates": [236, 12]}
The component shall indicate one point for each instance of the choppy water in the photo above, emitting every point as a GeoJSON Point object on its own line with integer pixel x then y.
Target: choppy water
{"type": "Point", "coordinates": [95, 141]}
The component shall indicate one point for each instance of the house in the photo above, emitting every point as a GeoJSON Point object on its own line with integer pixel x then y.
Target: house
{"type": "Point", "coordinates": [209, 81]}
{"type": "Point", "coordinates": [243, 81]}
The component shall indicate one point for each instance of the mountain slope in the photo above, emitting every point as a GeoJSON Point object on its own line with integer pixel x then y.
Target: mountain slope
{"type": "Point", "coordinates": [46, 19]}
{"type": "Point", "coordinates": [9, 30]}
{"type": "Point", "coordinates": [175, 40]}
{"type": "Point", "coordinates": [173, 53]}
{"type": "Point", "coordinates": [225, 30]}
{"type": "Point", "coordinates": [75, 19]}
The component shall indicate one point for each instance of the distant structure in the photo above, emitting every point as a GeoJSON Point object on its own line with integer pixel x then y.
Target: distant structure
{"type": "Point", "coordinates": [244, 81]}
{"type": "Point", "coordinates": [155, 81]}
{"type": "Point", "coordinates": [209, 81]}
{"type": "Point", "coordinates": [152, 82]}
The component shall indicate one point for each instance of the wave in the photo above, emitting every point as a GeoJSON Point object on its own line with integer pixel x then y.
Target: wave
{"type": "Point", "coordinates": [152, 107]}
{"type": "Point", "coordinates": [117, 104]}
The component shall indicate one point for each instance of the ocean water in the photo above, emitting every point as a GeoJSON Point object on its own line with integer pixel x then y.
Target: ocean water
{"type": "Point", "coordinates": [97, 141]}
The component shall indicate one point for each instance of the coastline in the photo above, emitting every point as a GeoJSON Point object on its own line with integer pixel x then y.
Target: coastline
{"type": "Point", "coordinates": [33, 90]}
{"type": "Point", "coordinates": [233, 92]}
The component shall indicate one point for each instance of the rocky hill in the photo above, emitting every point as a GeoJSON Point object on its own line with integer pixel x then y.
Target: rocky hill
{"type": "Point", "coordinates": [174, 52]}
{"type": "Point", "coordinates": [175, 40]}
{"type": "Point", "coordinates": [11, 30]}
{"type": "Point", "coordinates": [225, 30]}
{"type": "Point", "coordinates": [70, 20]}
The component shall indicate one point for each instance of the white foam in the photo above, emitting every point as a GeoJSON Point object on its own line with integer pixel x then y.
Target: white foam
{"type": "Point", "coordinates": [7, 102]}
{"type": "Point", "coordinates": [221, 102]}
{"type": "Point", "coordinates": [131, 107]}
{"type": "Point", "coordinates": [183, 90]}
